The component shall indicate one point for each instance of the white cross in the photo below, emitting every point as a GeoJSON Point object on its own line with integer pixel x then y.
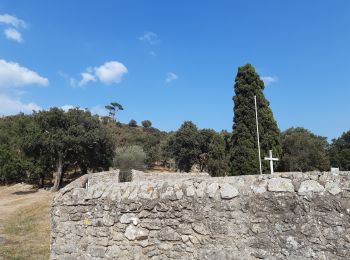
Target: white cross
{"type": "Point", "coordinates": [271, 159]}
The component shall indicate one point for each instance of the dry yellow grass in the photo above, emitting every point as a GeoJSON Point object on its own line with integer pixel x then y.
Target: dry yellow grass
{"type": "Point", "coordinates": [25, 223]}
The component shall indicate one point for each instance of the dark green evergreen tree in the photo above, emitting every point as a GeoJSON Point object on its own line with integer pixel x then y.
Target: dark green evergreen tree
{"type": "Point", "coordinates": [244, 148]}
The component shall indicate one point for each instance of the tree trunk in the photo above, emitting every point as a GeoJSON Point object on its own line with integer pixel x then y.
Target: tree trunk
{"type": "Point", "coordinates": [59, 174]}
{"type": "Point", "coordinates": [83, 169]}
{"type": "Point", "coordinates": [42, 180]}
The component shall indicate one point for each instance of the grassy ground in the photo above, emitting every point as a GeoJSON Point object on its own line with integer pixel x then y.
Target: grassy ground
{"type": "Point", "coordinates": [25, 223]}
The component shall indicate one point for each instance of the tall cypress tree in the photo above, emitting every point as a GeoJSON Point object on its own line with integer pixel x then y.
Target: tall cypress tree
{"type": "Point", "coordinates": [244, 149]}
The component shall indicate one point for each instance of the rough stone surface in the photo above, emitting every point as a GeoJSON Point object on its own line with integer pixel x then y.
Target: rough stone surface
{"type": "Point", "coordinates": [280, 185]}
{"type": "Point", "coordinates": [333, 188]}
{"type": "Point", "coordinates": [310, 186]}
{"type": "Point", "coordinates": [279, 216]}
{"type": "Point", "coordinates": [135, 233]}
{"type": "Point", "coordinates": [227, 191]}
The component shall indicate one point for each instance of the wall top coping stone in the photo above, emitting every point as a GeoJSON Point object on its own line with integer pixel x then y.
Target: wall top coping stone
{"type": "Point", "coordinates": [105, 185]}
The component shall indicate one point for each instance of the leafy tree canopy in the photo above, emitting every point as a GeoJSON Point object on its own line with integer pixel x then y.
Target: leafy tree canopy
{"type": "Point", "coordinates": [340, 152]}
{"type": "Point", "coordinates": [146, 123]}
{"type": "Point", "coordinates": [133, 123]}
{"type": "Point", "coordinates": [185, 146]}
{"type": "Point", "coordinates": [303, 151]}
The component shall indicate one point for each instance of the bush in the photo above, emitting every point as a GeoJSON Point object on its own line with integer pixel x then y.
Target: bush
{"type": "Point", "coordinates": [127, 158]}
{"type": "Point", "coordinates": [146, 123]}
{"type": "Point", "coordinates": [133, 123]}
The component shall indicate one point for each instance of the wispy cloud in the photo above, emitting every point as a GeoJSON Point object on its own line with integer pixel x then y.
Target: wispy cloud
{"type": "Point", "coordinates": [12, 20]}
{"type": "Point", "coordinates": [13, 34]}
{"type": "Point", "coordinates": [72, 81]}
{"type": "Point", "coordinates": [170, 76]}
{"type": "Point", "coordinates": [268, 80]}
{"type": "Point", "coordinates": [98, 110]}
{"type": "Point", "coordinates": [150, 37]}
{"type": "Point", "coordinates": [95, 110]}
{"type": "Point", "coordinates": [10, 106]}
{"type": "Point", "coordinates": [14, 75]}
{"type": "Point", "coordinates": [86, 77]}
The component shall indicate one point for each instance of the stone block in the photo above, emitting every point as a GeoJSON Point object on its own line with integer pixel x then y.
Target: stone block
{"type": "Point", "coordinates": [280, 185]}
{"type": "Point", "coordinates": [227, 191]}
{"type": "Point", "coordinates": [310, 186]}
{"type": "Point", "coordinates": [136, 233]}
{"type": "Point", "coordinates": [333, 188]}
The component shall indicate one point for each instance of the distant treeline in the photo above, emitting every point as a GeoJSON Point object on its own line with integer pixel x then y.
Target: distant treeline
{"type": "Point", "coordinates": [46, 145]}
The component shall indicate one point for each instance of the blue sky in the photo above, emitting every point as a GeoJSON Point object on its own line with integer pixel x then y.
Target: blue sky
{"type": "Point", "coordinates": [171, 61]}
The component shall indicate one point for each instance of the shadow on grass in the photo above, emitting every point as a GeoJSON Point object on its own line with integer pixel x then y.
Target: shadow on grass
{"type": "Point", "coordinates": [25, 192]}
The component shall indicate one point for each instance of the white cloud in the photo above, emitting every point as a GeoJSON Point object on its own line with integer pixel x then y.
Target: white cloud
{"type": "Point", "coordinates": [268, 80]}
{"type": "Point", "coordinates": [10, 106]}
{"type": "Point", "coordinates": [12, 20]}
{"type": "Point", "coordinates": [14, 75]}
{"type": "Point", "coordinates": [85, 78]}
{"type": "Point", "coordinates": [110, 72]}
{"type": "Point", "coordinates": [67, 107]}
{"type": "Point", "coordinates": [150, 37]}
{"type": "Point", "coordinates": [13, 34]}
{"type": "Point", "coordinates": [98, 110]}
{"type": "Point", "coordinates": [170, 77]}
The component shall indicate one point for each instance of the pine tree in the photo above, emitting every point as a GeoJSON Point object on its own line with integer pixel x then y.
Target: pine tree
{"type": "Point", "coordinates": [244, 151]}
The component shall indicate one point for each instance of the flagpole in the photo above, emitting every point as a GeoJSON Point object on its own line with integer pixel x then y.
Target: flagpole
{"type": "Point", "coordinates": [257, 132]}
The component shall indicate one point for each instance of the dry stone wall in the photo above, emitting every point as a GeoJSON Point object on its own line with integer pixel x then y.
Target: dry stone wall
{"type": "Point", "coordinates": [280, 216]}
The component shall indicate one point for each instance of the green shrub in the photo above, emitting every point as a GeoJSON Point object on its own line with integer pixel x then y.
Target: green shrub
{"type": "Point", "coordinates": [133, 123]}
{"type": "Point", "coordinates": [129, 157]}
{"type": "Point", "coordinates": [146, 123]}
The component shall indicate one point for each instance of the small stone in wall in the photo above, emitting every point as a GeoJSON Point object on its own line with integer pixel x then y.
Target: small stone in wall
{"type": "Point", "coordinates": [333, 188]}
{"type": "Point", "coordinates": [212, 188]}
{"type": "Point", "coordinates": [113, 251]}
{"type": "Point", "coordinates": [97, 251]}
{"type": "Point", "coordinates": [129, 218]}
{"type": "Point", "coordinates": [280, 185]}
{"type": "Point", "coordinates": [108, 220]}
{"type": "Point", "coordinates": [200, 228]}
{"type": "Point", "coordinates": [310, 186]}
{"type": "Point", "coordinates": [168, 234]}
{"type": "Point", "coordinates": [259, 187]}
{"type": "Point", "coordinates": [227, 191]}
{"type": "Point", "coordinates": [169, 192]}
{"type": "Point", "coordinates": [200, 189]}
{"type": "Point", "coordinates": [136, 233]}
{"type": "Point", "coordinates": [190, 191]}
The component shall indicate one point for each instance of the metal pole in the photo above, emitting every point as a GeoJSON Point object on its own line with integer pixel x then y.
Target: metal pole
{"type": "Point", "coordinates": [257, 132]}
{"type": "Point", "coordinates": [271, 162]}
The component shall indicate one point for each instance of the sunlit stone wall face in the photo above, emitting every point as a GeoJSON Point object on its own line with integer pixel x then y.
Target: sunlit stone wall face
{"type": "Point", "coordinates": [280, 216]}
